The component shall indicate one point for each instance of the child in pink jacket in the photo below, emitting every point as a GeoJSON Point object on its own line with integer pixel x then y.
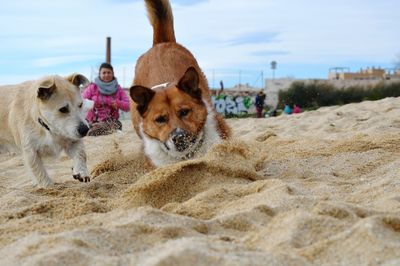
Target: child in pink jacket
{"type": "Point", "coordinates": [108, 98]}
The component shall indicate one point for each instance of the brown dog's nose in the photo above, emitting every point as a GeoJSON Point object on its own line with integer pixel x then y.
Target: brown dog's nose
{"type": "Point", "coordinates": [181, 139]}
{"type": "Point", "coordinates": [82, 129]}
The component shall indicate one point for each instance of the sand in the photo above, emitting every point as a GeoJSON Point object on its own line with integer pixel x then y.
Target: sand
{"type": "Point", "coordinates": [319, 188]}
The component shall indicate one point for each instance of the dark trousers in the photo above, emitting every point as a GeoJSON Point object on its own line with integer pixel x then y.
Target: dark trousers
{"type": "Point", "coordinates": [104, 128]}
{"type": "Point", "coordinates": [259, 112]}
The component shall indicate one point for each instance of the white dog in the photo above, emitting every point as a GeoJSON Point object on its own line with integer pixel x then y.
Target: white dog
{"type": "Point", "coordinates": [43, 118]}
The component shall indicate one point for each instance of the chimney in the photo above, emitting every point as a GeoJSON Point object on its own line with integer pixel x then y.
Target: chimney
{"type": "Point", "coordinates": [108, 50]}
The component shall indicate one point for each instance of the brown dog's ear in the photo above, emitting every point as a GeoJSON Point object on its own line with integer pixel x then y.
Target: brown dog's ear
{"type": "Point", "coordinates": [142, 97]}
{"type": "Point", "coordinates": [78, 79]}
{"type": "Point", "coordinates": [46, 89]}
{"type": "Point", "coordinates": [189, 83]}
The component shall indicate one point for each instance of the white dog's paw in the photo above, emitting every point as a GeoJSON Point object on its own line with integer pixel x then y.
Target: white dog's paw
{"type": "Point", "coordinates": [82, 178]}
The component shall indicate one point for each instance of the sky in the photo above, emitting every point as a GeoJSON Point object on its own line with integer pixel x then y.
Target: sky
{"type": "Point", "coordinates": [232, 40]}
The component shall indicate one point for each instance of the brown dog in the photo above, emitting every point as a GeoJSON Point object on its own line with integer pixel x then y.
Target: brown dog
{"type": "Point", "coordinates": [172, 110]}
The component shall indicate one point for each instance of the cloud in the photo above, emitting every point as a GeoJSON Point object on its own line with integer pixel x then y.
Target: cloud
{"type": "Point", "coordinates": [62, 60]}
{"type": "Point", "coordinates": [269, 52]}
{"type": "Point", "coordinates": [189, 2]}
{"type": "Point", "coordinates": [254, 38]}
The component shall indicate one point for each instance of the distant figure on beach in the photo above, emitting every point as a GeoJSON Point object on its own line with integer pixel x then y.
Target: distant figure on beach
{"type": "Point", "coordinates": [260, 101]}
{"type": "Point", "coordinates": [221, 90]}
{"type": "Point", "coordinates": [273, 113]}
{"type": "Point", "coordinates": [108, 98]}
{"type": "Point", "coordinates": [296, 109]}
{"type": "Point", "coordinates": [287, 110]}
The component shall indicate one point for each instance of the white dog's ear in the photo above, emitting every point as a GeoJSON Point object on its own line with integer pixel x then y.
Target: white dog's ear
{"type": "Point", "coordinates": [78, 79]}
{"type": "Point", "coordinates": [142, 97]}
{"type": "Point", "coordinates": [189, 83]}
{"type": "Point", "coordinates": [46, 88]}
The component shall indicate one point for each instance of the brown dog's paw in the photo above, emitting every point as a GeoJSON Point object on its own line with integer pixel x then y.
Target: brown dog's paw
{"type": "Point", "coordinates": [81, 179]}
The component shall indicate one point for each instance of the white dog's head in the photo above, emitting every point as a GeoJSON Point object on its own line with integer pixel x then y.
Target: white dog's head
{"type": "Point", "coordinates": [60, 106]}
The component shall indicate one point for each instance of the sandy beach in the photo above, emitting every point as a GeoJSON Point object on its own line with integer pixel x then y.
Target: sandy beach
{"type": "Point", "coordinates": [318, 188]}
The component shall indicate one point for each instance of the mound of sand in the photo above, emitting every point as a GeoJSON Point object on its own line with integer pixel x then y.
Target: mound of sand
{"type": "Point", "coordinates": [319, 188]}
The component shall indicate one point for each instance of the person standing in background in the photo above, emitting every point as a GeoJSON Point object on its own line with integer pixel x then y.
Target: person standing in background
{"type": "Point", "coordinates": [221, 90]}
{"type": "Point", "coordinates": [260, 101]}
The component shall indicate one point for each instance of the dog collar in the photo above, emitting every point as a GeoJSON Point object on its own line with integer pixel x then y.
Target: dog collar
{"type": "Point", "coordinates": [163, 85]}
{"type": "Point", "coordinates": [43, 124]}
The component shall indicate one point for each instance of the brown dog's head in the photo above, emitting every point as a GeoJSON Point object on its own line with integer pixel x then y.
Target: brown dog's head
{"type": "Point", "coordinates": [59, 104]}
{"type": "Point", "coordinates": [172, 117]}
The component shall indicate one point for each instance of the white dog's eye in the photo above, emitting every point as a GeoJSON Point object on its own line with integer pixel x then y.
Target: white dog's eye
{"type": "Point", "coordinates": [80, 105]}
{"type": "Point", "coordinates": [64, 110]}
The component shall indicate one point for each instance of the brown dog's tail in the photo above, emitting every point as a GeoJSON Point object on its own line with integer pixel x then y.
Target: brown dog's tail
{"type": "Point", "coordinates": [160, 16]}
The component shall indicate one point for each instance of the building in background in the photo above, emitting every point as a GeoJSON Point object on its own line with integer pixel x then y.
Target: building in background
{"type": "Point", "coordinates": [343, 73]}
